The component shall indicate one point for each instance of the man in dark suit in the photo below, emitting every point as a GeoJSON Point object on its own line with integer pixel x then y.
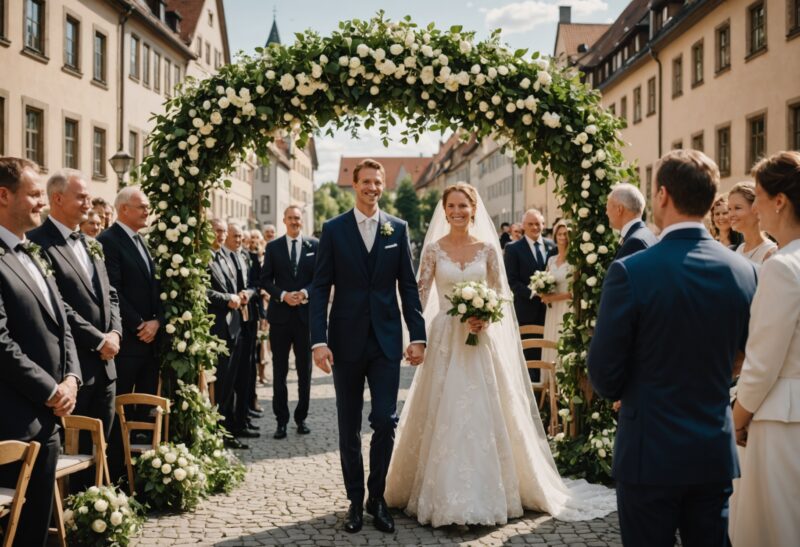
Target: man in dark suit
{"type": "Point", "coordinates": [131, 272]}
{"type": "Point", "coordinates": [505, 236]}
{"type": "Point", "coordinates": [287, 276]}
{"type": "Point", "coordinates": [673, 319]}
{"type": "Point", "coordinates": [522, 258]}
{"type": "Point", "coordinates": [94, 318]}
{"type": "Point", "coordinates": [40, 368]}
{"type": "Point", "coordinates": [624, 210]}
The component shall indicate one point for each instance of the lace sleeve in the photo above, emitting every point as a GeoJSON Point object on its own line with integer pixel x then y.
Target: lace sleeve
{"type": "Point", "coordinates": [493, 269]}
{"type": "Point", "coordinates": [427, 272]}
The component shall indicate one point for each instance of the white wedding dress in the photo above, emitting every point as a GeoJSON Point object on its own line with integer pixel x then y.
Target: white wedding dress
{"type": "Point", "coordinates": [470, 446]}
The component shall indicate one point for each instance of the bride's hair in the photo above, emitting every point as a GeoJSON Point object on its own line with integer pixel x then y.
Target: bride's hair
{"type": "Point", "coordinates": [469, 192]}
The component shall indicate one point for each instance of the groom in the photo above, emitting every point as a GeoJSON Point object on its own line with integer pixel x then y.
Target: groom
{"type": "Point", "coordinates": [366, 255]}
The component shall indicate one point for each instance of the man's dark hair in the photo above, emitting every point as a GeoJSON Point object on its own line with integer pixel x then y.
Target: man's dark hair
{"type": "Point", "coordinates": [505, 225]}
{"type": "Point", "coordinates": [691, 179]}
{"type": "Point", "coordinates": [11, 170]}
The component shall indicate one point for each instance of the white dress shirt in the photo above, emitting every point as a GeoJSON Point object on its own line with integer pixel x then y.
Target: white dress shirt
{"type": "Point", "coordinates": [627, 228]}
{"type": "Point", "coordinates": [299, 251]}
{"type": "Point", "coordinates": [78, 249]}
{"type": "Point", "coordinates": [532, 243]}
{"type": "Point", "coordinates": [681, 226]}
{"type": "Point", "coordinates": [368, 227]}
{"type": "Point", "coordinates": [138, 243]}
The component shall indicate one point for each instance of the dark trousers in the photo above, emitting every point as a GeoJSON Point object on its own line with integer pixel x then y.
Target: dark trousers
{"type": "Point", "coordinates": [649, 515]}
{"type": "Point", "coordinates": [287, 336]}
{"type": "Point", "coordinates": [227, 372]}
{"type": "Point", "coordinates": [95, 400]}
{"type": "Point", "coordinates": [246, 376]}
{"type": "Point", "coordinates": [35, 517]}
{"type": "Point", "coordinates": [383, 377]}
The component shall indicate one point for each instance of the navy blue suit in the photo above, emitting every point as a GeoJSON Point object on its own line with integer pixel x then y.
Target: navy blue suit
{"type": "Point", "coordinates": [638, 238]}
{"type": "Point", "coordinates": [671, 320]}
{"type": "Point", "coordinates": [289, 324]}
{"type": "Point", "coordinates": [365, 335]}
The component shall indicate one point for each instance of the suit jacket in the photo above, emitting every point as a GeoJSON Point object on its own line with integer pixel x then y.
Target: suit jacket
{"type": "Point", "coordinates": [770, 382]}
{"type": "Point", "coordinates": [638, 238]}
{"type": "Point", "coordinates": [137, 288]}
{"type": "Point", "coordinates": [36, 351]}
{"type": "Point", "coordinates": [239, 263]}
{"type": "Point", "coordinates": [277, 277]}
{"type": "Point", "coordinates": [92, 305]}
{"type": "Point", "coordinates": [671, 320]}
{"type": "Point", "coordinates": [227, 322]}
{"type": "Point", "coordinates": [520, 266]}
{"type": "Point", "coordinates": [363, 299]}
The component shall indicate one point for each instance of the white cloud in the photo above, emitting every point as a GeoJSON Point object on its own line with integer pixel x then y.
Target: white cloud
{"type": "Point", "coordinates": [524, 16]}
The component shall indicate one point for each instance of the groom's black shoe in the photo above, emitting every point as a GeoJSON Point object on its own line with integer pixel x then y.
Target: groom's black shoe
{"type": "Point", "coordinates": [380, 513]}
{"type": "Point", "coordinates": [280, 433]}
{"type": "Point", "coordinates": [302, 428]}
{"type": "Point", "coordinates": [354, 519]}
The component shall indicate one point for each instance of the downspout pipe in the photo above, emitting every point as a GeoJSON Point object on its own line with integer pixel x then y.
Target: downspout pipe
{"type": "Point", "coordinates": [654, 55]}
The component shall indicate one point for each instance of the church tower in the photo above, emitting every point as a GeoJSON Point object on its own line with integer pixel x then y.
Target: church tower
{"type": "Point", "coordinates": [274, 37]}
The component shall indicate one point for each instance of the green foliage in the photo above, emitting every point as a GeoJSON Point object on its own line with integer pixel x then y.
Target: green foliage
{"type": "Point", "coordinates": [406, 202]}
{"type": "Point", "coordinates": [101, 516]}
{"type": "Point", "coordinates": [170, 478]}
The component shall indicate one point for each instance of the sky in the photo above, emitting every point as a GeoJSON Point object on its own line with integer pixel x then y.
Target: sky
{"type": "Point", "coordinates": [527, 24]}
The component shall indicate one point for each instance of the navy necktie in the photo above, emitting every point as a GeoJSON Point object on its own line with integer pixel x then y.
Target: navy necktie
{"type": "Point", "coordinates": [539, 257]}
{"type": "Point", "coordinates": [293, 257]}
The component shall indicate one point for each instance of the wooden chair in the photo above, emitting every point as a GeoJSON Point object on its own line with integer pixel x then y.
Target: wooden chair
{"type": "Point", "coordinates": [548, 383]}
{"type": "Point", "coordinates": [71, 462]}
{"type": "Point", "coordinates": [161, 424]}
{"type": "Point", "coordinates": [541, 385]}
{"type": "Point", "coordinates": [11, 501]}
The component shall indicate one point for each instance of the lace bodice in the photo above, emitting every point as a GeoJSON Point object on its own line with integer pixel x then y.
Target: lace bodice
{"type": "Point", "coordinates": [436, 267]}
{"type": "Point", "coordinates": [561, 273]}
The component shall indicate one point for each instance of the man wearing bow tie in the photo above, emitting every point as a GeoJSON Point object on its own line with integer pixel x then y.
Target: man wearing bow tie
{"type": "Point", "coordinates": [287, 275]}
{"type": "Point", "coordinates": [92, 303]}
{"type": "Point", "coordinates": [40, 368]}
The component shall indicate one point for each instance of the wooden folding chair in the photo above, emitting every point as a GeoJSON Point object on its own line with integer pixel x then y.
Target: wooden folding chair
{"type": "Point", "coordinates": [71, 462]}
{"type": "Point", "coordinates": [11, 501]}
{"type": "Point", "coordinates": [161, 424]}
{"type": "Point", "coordinates": [540, 385]}
{"type": "Point", "coordinates": [548, 383]}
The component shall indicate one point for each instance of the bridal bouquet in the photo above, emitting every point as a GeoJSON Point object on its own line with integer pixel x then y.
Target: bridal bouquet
{"type": "Point", "coordinates": [542, 282]}
{"type": "Point", "coordinates": [475, 299]}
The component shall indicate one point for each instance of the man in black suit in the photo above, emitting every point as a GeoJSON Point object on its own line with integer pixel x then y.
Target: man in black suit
{"type": "Point", "coordinates": [40, 368]}
{"type": "Point", "coordinates": [94, 318]}
{"type": "Point", "coordinates": [287, 276]}
{"type": "Point", "coordinates": [131, 272]}
{"type": "Point", "coordinates": [624, 210]}
{"type": "Point", "coordinates": [505, 235]}
{"type": "Point", "coordinates": [522, 258]}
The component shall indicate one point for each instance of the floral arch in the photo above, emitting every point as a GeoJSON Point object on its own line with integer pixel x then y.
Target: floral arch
{"type": "Point", "coordinates": [375, 73]}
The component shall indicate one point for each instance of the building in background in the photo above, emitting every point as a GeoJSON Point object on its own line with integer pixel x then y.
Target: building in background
{"type": "Point", "coordinates": [397, 169]}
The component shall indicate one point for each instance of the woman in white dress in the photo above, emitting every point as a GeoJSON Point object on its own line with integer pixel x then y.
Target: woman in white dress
{"type": "Point", "coordinates": [764, 509]}
{"type": "Point", "coordinates": [756, 247]}
{"type": "Point", "coordinates": [470, 446]}
{"type": "Point", "coordinates": [560, 299]}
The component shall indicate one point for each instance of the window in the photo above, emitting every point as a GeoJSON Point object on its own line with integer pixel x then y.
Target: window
{"type": "Point", "coordinates": [99, 152]}
{"type": "Point", "coordinates": [135, 66]}
{"type": "Point", "coordinates": [34, 135]}
{"type": "Point", "coordinates": [218, 59]}
{"type": "Point", "coordinates": [724, 150]}
{"type": "Point", "coordinates": [177, 79]}
{"type": "Point", "coordinates": [623, 108]}
{"type": "Point", "coordinates": [208, 53]}
{"type": "Point", "coordinates": [637, 104]}
{"type": "Point", "coordinates": [210, 18]}
{"type": "Point", "coordinates": [34, 25]}
{"type": "Point", "coordinates": [648, 186]}
{"type": "Point", "coordinates": [697, 142]}
{"type": "Point", "coordinates": [677, 76]}
{"type": "Point", "coordinates": [651, 96]}
{"type": "Point", "coordinates": [2, 25]}
{"type": "Point", "coordinates": [199, 50]}
{"type": "Point", "coordinates": [133, 147]}
{"type": "Point", "coordinates": [757, 28]}
{"type": "Point", "coordinates": [723, 47]}
{"type": "Point", "coordinates": [156, 72]}
{"type": "Point", "coordinates": [71, 143]}
{"type": "Point", "coordinates": [167, 76]}
{"type": "Point", "coordinates": [794, 126]}
{"type": "Point", "coordinates": [793, 19]}
{"type": "Point", "coordinates": [265, 205]}
{"type": "Point", "coordinates": [756, 139]}
{"type": "Point", "coordinates": [613, 109]}
{"type": "Point", "coordinates": [697, 63]}
{"type": "Point", "coordinates": [677, 145]}
{"type": "Point", "coordinates": [99, 69]}
{"type": "Point", "coordinates": [2, 122]}
{"type": "Point", "coordinates": [72, 32]}
{"type": "Point", "coordinates": [146, 64]}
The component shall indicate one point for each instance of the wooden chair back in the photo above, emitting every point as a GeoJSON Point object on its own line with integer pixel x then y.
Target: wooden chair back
{"type": "Point", "coordinates": [531, 329]}
{"type": "Point", "coordinates": [11, 452]}
{"type": "Point", "coordinates": [158, 427]}
{"type": "Point", "coordinates": [548, 384]}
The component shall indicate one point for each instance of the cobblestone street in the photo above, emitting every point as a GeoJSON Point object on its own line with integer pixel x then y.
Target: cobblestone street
{"type": "Point", "coordinates": [293, 495]}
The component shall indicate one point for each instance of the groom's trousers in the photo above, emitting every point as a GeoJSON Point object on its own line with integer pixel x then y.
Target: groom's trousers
{"type": "Point", "coordinates": [383, 377]}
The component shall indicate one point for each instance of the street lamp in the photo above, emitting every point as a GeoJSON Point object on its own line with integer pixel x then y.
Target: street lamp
{"type": "Point", "coordinates": [121, 164]}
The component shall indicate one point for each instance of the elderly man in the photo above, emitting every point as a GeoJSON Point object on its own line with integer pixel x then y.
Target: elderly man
{"type": "Point", "coordinates": [92, 225]}
{"type": "Point", "coordinates": [624, 209]}
{"type": "Point", "coordinates": [105, 210]}
{"type": "Point", "coordinates": [269, 232]}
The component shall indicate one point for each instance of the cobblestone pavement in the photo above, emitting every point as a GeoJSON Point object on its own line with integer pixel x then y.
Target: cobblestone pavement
{"type": "Point", "coordinates": [293, 495]}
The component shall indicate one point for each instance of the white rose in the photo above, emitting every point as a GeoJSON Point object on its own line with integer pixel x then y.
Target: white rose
{"type": "Point", "coordinates": [180, 474]}
{"type": "Point", "coordinates": [287, 82]}
{"type": "Point", "coordinates": [584, 194]}
{"type": "Point", "coordinates": [511, 107]}
{"type": "Point", "coordinates": [194, 170]}
{"type": "Point", "coordinates": [586, 164]}
{"type": "Point", "coordinates": [490, 115]}
{"type": "Point", "coordinates": [464, 47]}
{"type": "Point", "coordinates": [525, 83]}
{"type": "Point", "coordinates": [68, 516]}
{"type": "Point", "coordinates": [496, 100]}
{"type": "Point", "coordinates": [362, 50]}
{"type": "Point", "coordinates": [476, 69]}
{"type": "Point", "coordinates": [483, 106]}
{"type": "Point", "coordinates": [427, 50]}
{"type": "Point", "coordinates": [181, 347]}
{"type": "Point", "coordinates": [187, 316]}
{"type": "Point", "coordinates": [564, 412]}
{"type": "Point", "coordinates": [224, 102]}
{"type": "Point", "coordinates": [601, 155]}
{"type": "Point", "coordinates": [184, 272]}
{"type": "Point", "coordinates": [116, 518]}
{"type": "Point", "coordinates": [551, 120]}
{"type": "Point", "coordinates": [602, 249]}
{"type": "Point", "coordinates": [166, 480]}
{"type": "Point", "coordinates": [467, 293]}
{"type": "Point", "coordinates": [83, 510]}
{"type": "Point", "coordinates": [100, 506]}
{"type": "Point", "coordinates": [170, 328]}
{"type": "Point", "coordinates": [595, 415]}
{"type": "Point", "coordinates": [426, 75]}
{"type": "Point", "coordinates": [379, 54]}
{"type": "Point", "coordinates": [601, 229]}
{"type": "Point", "coordinates": [99, 526]}
{"type": "Point", "coordinates": [492, 73]}
{"type": "Point", "coordinates": [192, 140]}
{"type": "Point", "coordinates": [527, 119]}
{"type": "Point", "coordinates": [197, 122]}
{"type": "Point", "coordinates": [431, 104]}
{"type": "Point", "coordinates": [544, 78]}
{"type": "Point", "coordinates": [591, 259]}
{"type": "Point", "coordinates": [395, 49]}
{"type": "Point", "coordinates": [601, 453]}
{"type": "Point", "coordinates": [156, 463]}
{"type": "Point", "coordinates": [355, 62]}
{"type": "Point", "coordinates": [468, 95]}
{"type": "Point", "coordinates": [170, 457]}
{"type": "Point", "coordinates": [591, 282]}
{"type": "Point", "coordinates": [502, 70]}
{"type": "Point", "coordinates": [216, 118]}
{"type": "Point", "coordinates": [591, 129]}
{"type": "Point", "coordinates": [478, 302]}
{"type": "Point", "coordinates": [166, 469]}
{"type": "Point", "coordinates": [583, 212]}
{"type": "Point", "coordinates": [443, 60]}
{"type": "Point", "coordinates": [586, 184]}
{"type": "Point", "coordinates": [344, 60]}
{"type": "Point", "coordinates": [187, 240]}
{"type": "Point", "coordinates": [586, 148]}
{"type": "Point", "coordinates": [480, 79]}
{"type": "Point", "coordinates": [600, 174]}
{"type": "Point", "coordinates": [270, 75]}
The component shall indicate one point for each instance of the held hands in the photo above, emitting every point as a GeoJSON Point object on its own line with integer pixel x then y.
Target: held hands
{"type": "Point", "coordinates": [476, 325]}
{"type": "Point", "coordinates": [415, 354]}
{"type": "Point", "coordinates": [235, 302]}
{"type": "Point", "coordinates": [110, 346]}
{"type": "Point", "coordinates": [147, 330]}
{"type": "Point", "coordinates": [63, 401]}
{"type": "Point", "coordinates": [294, 298]}
{"type": "Point", "coordinates": [323, 358]}
{"type": "Point", "coordinates": [243, 298]}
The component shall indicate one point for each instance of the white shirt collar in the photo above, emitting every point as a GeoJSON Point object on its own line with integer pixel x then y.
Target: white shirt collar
{"type": "Point", "coordinates": [229, 250]}
{"type": "Point", "coordinates": [10, 239]}
{"type": "Point", "coordinates": [532, 242]}
{"type": "Point", "coordinates": [681, 226]}
{"type": "Point", "coordinates": [61, 228]}
{"type": "Point", "coordinates": [361, 217]}
{"type": "Point", "coordinates": [289, 240]}
{"type": "Point", "coordinates": [128, 229]}
{"type": "Point", "coordinates": [627, 227]}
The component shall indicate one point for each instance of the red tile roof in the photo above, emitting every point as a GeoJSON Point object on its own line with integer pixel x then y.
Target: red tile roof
{"type": "Point", "coordinates": [573, 35]}
{"type": "Point", "coordinates": [190, 12]}
{"type": "Point", "coordinates": [396, 169]}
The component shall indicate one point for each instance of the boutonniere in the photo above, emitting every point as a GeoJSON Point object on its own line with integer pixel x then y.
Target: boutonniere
{"type": "Point", "coordinates": [2, 251]}
{"type": "Point", "coordinates": [95, 249]}
{"type": "Point", "coordinates": [35, 252]}
{"type": "Point", "coordinates": [307, 244]}
{"type": "Point", "coordinates": [387, 229]}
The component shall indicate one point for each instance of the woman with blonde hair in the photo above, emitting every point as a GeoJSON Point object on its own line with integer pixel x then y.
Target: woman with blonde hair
{"type": "Point", "coordinates": [756, 246]}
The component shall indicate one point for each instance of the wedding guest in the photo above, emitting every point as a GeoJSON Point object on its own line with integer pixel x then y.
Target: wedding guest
{"type": "Point", "coordinates": [105, 210]}
{"type": "Point", "coordinates": [766, 414]}
{"type": "Point", "coordinates": [672, 319]}
{"type": "Point", "coordinates": [505, 235]}
{"type": "Point", "coordinates": [41, 372]}
{"type": "Point", "coordinates": [269, 233]}
{"type": "Point", "coordinates": [516, 232]}
{"type": "Point", "coordinates": [92, 225]}
{"type": "Point", "coordinates": [756, 247]}
{"type": "Point", "coordinates": [721, 223]}
{"type": "Point", "coordinates": [560, 300]}
{"type": "Point", "coordinates": [624, 210]}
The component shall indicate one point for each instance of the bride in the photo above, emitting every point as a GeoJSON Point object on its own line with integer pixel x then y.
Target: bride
{"type": "Point", "coordinates": [470, 446]}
